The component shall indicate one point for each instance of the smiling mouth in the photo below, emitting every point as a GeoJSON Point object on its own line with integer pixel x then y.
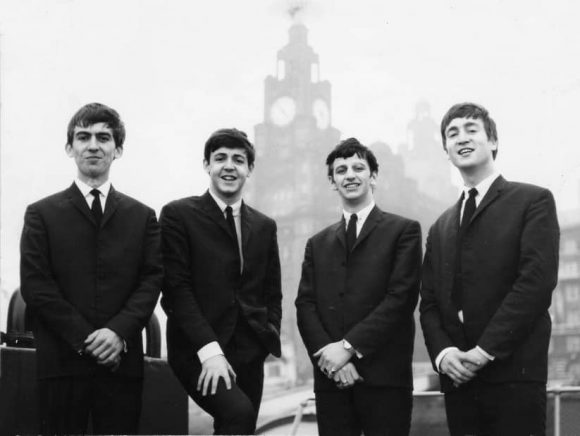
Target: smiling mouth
{"type": "Point", "coordinates": [351, 186]}
{"type": "Point", "coordinates": [465, 151]}
{"type": "Point", "coordinates": [228, 178]}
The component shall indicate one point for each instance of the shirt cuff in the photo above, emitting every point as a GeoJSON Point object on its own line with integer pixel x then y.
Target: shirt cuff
{"type": "Point", "coordinates": [209, 350]}
{"type": "Point", "coordinates": [485, 353]}
{"type": "Point", "coordinates": [349, 345]}
{"type": "Point", "coordinates": [441, 355]}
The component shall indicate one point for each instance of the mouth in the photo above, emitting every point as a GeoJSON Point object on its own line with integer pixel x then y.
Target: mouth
{"type": "Point", "coordinates": [465, 151]}
{"type": "Point", "coordinates": [351, 186]}
{"type": "Point", "coordinates": [228, 178]}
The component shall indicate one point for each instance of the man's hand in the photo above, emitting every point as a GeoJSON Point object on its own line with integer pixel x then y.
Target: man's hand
{"type": "Point", "coordinates": [456, 364]}
{"type": "Point", "coordinates": [475, 360]}
{"type": "Point", "coordinates": [347, 376]}
{"type": "Point", "coordinates": [211, 371]}
{"type": "Point", "coordinates": [105, 346]}
{"type": "Point", "coordinates": [332, 357]}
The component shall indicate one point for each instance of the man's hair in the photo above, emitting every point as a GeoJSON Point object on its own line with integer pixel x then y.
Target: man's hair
{"type": "Point", "coordinates": [229, 138]}
{"type": "Point", "coordinates": [474, 111]}
{"type": "Point", "coordinates": [94, 113]}
{"type": "Point", "coordinates": [347, 148]}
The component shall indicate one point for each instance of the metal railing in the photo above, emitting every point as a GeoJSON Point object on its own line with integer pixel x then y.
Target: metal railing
{"type": "Point", "coordinates": [556, 392]}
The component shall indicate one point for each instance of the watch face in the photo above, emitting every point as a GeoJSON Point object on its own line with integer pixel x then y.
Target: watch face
{"type": "Point", "coordinates": [321, 113]}
{"type": "Point", "coordinates": [282, 111]}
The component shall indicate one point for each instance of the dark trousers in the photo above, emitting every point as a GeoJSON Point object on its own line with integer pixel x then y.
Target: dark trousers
{"type": "Point", "coordinates": [113, 404]}
{"type": "Point", "coordinates": [235, 411]}
{"type": "Point", "coordinates": [503, 409]}
{"type": "Point", "coordinates": [376, 411]}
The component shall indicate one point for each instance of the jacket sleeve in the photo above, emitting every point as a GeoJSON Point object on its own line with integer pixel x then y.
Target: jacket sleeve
{"type": "Point", "coordinates": [401, 294]}
{"type": "Point", "coordinates": [137, 310]}
{"type": "Point", "coordinates": [537, 275]}
{"type": "Point", "coordinates": [436, 337]}
{"type": "Point", "coordinates": [182, 305]}
{"type": "Point", "coordinates": [311, 328]}
{"type": "Point", "coordinates": [274, 284]}
{"type": "Point", "coordinates": [39, 288]}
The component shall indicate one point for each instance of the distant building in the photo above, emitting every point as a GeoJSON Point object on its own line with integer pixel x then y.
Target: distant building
{"type": "Point", "coordinates": [290, 182]}
{"type": "Point", "coordinates": [565, 310]}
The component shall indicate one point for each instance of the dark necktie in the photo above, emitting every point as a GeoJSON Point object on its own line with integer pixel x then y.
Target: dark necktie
{"type": "Point", "coordinates": [232, 226]}
{"type": "Point", "coordinates": [468, 210]}
{"type": "Point", "coordinates": [96, 208]}
{"type": "Point", "coordinates": [351, 232]}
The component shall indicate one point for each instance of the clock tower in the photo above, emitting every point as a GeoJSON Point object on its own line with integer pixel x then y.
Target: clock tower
{"type": "Point", "coordinates": [289, 181]}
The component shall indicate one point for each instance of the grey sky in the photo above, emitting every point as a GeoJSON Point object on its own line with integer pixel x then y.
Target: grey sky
{"type": "Point", "coordinates": [177, 70]}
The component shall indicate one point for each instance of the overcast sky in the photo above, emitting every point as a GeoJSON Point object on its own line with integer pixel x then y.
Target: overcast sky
{"type": "Point", "coordinates": [177, 70]}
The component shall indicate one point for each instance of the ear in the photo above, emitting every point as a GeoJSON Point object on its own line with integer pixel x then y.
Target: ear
{"type": "Point", "coordinates": [494, 145]}
{"type": "Point", "coordinates": [68, 150]}
{"type": "Point", "coordinates": [332, 183]}
{"type": "Point", "coordinates": [250, 170]}
{"type": "Point", "coordinates": [118, 152]}
{"type": "Point", "coordinates": [206, 166]}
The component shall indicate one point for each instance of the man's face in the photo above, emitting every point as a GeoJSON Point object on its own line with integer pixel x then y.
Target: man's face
{"type": "Point", "coordinates": [93, 149]}
{"type": "Point", "coordinates": [353, 180]}
{"type": "Point", "coordinates": [228, 170]}
{"type": "Point", "coordinates": [467, 144]}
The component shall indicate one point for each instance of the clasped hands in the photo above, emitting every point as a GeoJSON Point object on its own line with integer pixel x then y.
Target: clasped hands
{"type": "Point", "coordinates": [105, 346]}
{"type": "Point", "coordinates": [462, 366]}
{"type": "Point", "coordinates": [334, 362]}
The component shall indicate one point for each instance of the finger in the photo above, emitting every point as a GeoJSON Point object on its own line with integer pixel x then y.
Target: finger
{"type": "Point", "coordinates": [318, 353]}
{"type": "Point", "coordinates": [206, 381]}
{"type": "Point", "coordinates": [91, 337]}
{"type": "Point", "coordinates": [200, 380]}
{"type": "Point", "coordinates": [232, 372]}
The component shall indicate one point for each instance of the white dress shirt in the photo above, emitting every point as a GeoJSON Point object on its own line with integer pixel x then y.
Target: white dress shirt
{"type": "Point", "coordinates": [89, 198]}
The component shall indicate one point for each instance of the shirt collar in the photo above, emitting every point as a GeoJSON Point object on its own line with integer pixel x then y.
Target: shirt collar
{"type": "Point", "coordinates": [86, 189]}
{"type": "Point", "coordinates": [482, 187]}
{"type": "Point", "coordinates": [222, 204]}
{"type": "Point", "coordinates": [361, 215]}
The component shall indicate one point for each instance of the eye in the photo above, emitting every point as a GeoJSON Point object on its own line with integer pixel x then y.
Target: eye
{"type": "Point", "coordinates": [103, 138]}
{"type": "Point", "coordinates": [340, 170]}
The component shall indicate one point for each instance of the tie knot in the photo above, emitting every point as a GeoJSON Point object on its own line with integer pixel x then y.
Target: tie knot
{"type": "Point", "coordinates": [353, 218]}
{"type": "Point", "coordinates": [472, 193]}
{"type": "Point", "coordinates": [229, 211]}
{"type": "Point", "coordinates": [95, 193]}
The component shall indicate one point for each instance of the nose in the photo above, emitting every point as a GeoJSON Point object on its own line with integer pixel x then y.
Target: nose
{"type": "Point", "coordinates": [229, 164]}
{"type": "Point", "coordinates": [93, 144]}
{"type": "Point", "coordinates": [349, 173]}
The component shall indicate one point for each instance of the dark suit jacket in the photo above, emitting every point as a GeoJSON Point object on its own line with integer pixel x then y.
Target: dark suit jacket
{"type": "Point", "coordinates": [76, 278]}
{"type": "Point", "coordinates": [204, 290]}
{"type": "Point", "coordinates": [510, 267]}
{"type": "Point", "coordinates": [368, 299]}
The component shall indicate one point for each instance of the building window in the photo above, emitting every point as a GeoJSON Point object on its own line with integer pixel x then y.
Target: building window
{"type": "Point", "coordinates": [573, 318]}
{"type": "Point", "coordinates": [572, 293]}
{"type": "Point", "coordinates": [570, 246]}
{"type": "Point", "coordinates": [573, 344]}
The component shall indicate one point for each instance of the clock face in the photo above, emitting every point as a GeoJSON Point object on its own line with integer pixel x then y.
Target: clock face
{"type": "Point", "coordinates": [321, 113]}
{"type": "Point", "coordinates": [282, 111]}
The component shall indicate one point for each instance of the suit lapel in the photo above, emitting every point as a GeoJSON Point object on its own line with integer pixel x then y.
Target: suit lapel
{"type": "Point", "coordinates": [375, 216]}
{"type": "Point", "coordinates": [212, 209]}
{"type": "Point", "coordinates": [340, 231]}
{"type": "Point", "coordinates": [111, 205]}
{"type": "Point", "coordinates": [77, 199]}
{"type": "Point", "coordinates": [247, 220]}
{"type": "Point", "coordinates": [491, 195]}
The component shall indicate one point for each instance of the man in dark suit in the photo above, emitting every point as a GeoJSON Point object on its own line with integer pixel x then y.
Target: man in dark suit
{"type": "Point", "coordinates": [91, 272]}
{"type": "Point", "coordinates": [357, 294]}
{"type": "Point", "coordinates": [490, 267]}
{"type": "Point", "coordinates": [222, 289]}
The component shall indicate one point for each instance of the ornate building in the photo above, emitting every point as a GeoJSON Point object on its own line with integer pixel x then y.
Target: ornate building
{"type": "Point", "coordinates": [290, 182]}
